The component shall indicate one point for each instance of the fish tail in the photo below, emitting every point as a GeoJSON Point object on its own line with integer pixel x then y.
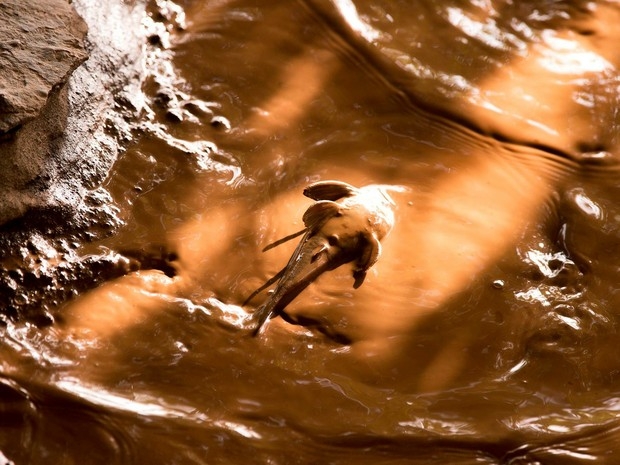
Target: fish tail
{"type": "Point", "coordinates": [262, 314]}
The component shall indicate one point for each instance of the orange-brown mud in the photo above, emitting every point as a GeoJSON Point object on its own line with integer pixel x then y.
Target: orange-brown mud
{"type": "Point", "coordinates": [486, 332]}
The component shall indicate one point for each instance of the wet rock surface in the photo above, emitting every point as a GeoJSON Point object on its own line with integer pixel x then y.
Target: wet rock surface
{"type": "Point", "coordinates": [63, 133]}
{"type": "Point", "coordinates": [52, 166]}
{"type": "Point", "coordinates": [41, 43]}
{"type": "Point", "coordinates": [56, 145]}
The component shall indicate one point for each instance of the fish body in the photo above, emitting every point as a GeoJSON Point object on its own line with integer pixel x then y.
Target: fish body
{"type": "Point", "coordinates": [344, 225]}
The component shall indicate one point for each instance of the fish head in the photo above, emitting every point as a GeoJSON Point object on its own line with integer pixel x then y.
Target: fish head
{"type": "Point", "coordinates": [377, 206]}
{"type": "Point", "coordinates": [342, 235]}
{"type": "Point", "coordinates": [348, 223]}
{"type": "Point", "coordinates": [351, 235]}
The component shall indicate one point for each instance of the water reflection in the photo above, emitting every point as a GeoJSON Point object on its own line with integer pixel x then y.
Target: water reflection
{"type": "Point", "coordinates": [484, 334]}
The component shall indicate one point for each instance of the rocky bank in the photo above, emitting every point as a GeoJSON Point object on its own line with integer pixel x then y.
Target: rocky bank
{"type": "Point", "coordinates": [71, 79]}
{"type": "Point", "coordinates": [56, 92]}
{"type": "Point", "coordinates": [79, 81]}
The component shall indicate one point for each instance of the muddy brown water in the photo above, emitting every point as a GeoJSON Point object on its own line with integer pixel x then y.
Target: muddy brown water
{"type": "Point", "coordinates": [487, 332]}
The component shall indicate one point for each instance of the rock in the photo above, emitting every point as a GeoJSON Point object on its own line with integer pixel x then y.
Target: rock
{"type": "Point", "coordinates": [41, 43]}
{"type": "Point", "coordinates": [58, 133]}
{"type": "Point", "coordinates": [105, 93]}
{"type": "Point", "coordinates": [52, 164]}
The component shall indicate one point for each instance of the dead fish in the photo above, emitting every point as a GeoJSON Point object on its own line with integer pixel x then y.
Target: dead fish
{"type": "Point", "coordinates": [344, 225]}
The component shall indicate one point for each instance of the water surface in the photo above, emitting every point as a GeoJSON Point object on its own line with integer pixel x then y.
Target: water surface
{"type": "Point", "coordinates": [484, 334]}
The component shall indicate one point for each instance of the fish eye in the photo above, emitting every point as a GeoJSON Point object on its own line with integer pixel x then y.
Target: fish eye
{"type": "Point", "coordinates": [332, 240]}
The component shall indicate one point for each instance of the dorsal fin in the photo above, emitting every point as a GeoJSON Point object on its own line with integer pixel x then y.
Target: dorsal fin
{"type": "Point", "coordinates": [316, 215]}
{"type": "Point", "coordinates": [329, 190]}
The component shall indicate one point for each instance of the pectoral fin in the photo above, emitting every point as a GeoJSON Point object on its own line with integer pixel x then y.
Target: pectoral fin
{"type": "Point", "coordinates": [283, 240]}
{"type": "Point", "coordinates": [358, 276]}
{"type": "Point", "coordinates": [318, 213]}
{"type": "Point", "coordinates": [369, 256]}
{"type": "Point", "coordinates": [329, 190]}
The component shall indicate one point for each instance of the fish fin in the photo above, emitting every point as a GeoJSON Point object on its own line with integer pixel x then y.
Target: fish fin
{"type": "Point", "coordinates": [368, 258]}
{"type": "Point", "coordinates": [318, 213]}
{"type": "Point", "coordinates": [284, 239]}
{"type": "Point", "coordinates": [264, 286]}
{"type": "Point", "coordinates": [329, 190]}
{"type": "Point", "coordinates": [359, 276]}
{"type": "Point", "coordinates": [263, 313]}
